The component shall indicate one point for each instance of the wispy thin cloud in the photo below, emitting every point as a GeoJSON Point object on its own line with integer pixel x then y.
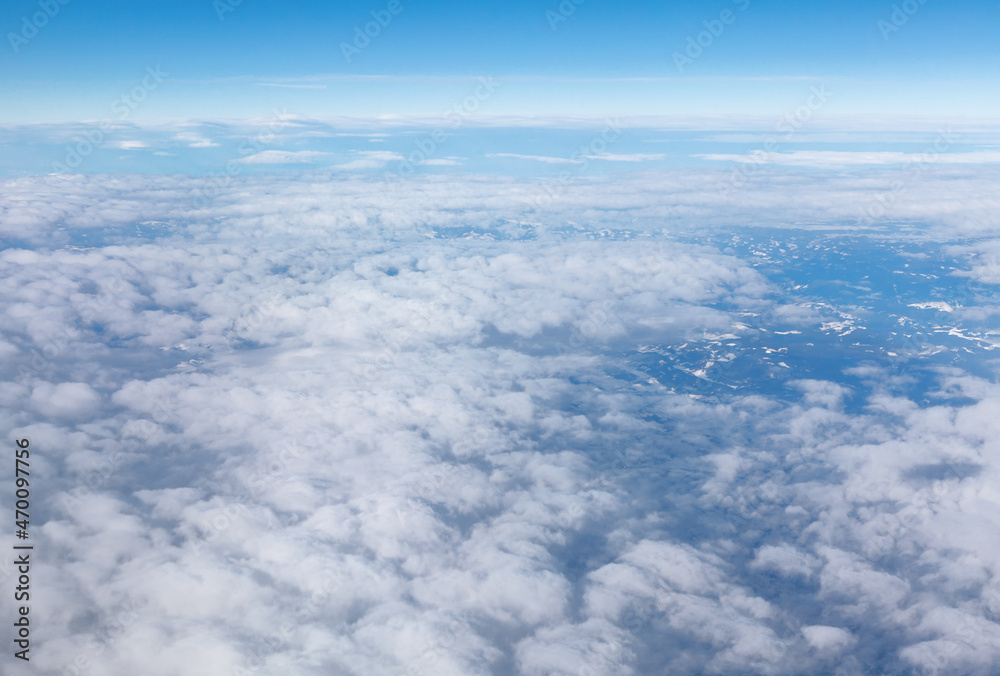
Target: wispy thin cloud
{"type": "Point", "coordinates": [829, 158]}
{"type": "Point", "coordinates": [290, 85]}
{"type": "Point", "coordinates": [371, 159]}
{"type": "Point", "coordinates": [284, 157]}
{"type": "Point", "coordinates": [629, 157]}
{"type": "Point", "coordinates": [537, 158]}
{"type": "Point", "coordinates": [196, 140]}
{"type": "Point", "coordinates": [312, 80]}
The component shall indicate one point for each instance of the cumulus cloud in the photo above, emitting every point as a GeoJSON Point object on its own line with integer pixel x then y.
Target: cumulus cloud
{"type": "Point", "coordinates": [65, 400]}
{"type": "Point", "coordinates": [828, 639]}
{"type": "Point", "coordinates": [324, 423]}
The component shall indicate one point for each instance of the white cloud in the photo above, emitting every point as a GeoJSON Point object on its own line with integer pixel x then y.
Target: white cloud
{"type": "Point", "coordinates": [821, 393]}
{"type": "Point", "coordinates": [831, 158]}
{"type": "Point", "coordinates": [370, 159]}
{"type": "Point", "coordinates": [786, 560]}
{"type": "Point", "coordinates": [291, 86]}
{"type": "Point", "coordinates": [380, 155]}
{"type": "Point", "coordinates": [195, 140]}
{"type": "Point", "coordinates": [538, 158]}
{"type": "Point", "coordinates": [360, 164]}
{"type": "Point", "coordinates": [626, 157]}
{"type": "Point", "coordinates": [367, 427]}
{"type": "Point", "coordinates": [65, 400]}
{"type": "Point", "coordinates": [284, 157]}
{"type": "Point", "coordinates": [828, 639]}
{"type": "Point", "coordinates": [345, 389]}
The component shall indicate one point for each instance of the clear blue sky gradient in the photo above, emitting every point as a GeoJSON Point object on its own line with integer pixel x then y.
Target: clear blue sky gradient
{"type": "Point", "coordinates": [942, 60]}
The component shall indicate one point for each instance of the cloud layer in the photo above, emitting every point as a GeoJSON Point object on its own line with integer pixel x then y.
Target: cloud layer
{"type": "Point", "coordinates": [318, 424]}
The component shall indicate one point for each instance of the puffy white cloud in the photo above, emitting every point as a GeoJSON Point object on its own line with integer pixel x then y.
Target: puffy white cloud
{"type": "Point", "coordinates": [818, 392]}
{"type": "Point", "coordinates": [828, 639]}
{"type": "Point", "coordinates": [65, 400]}
{"type": "Point", "coordinates": [53, 208]}
{"type": "Point", "coordinates": [326, 424]}
{"type": "Point", "coordinates": [786, 560]}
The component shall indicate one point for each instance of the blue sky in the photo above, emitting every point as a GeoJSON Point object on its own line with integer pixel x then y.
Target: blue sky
{"type": "Point", "coordinates": [181, 86]}
{"type": "Point", "coordinates": [603, 57]}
